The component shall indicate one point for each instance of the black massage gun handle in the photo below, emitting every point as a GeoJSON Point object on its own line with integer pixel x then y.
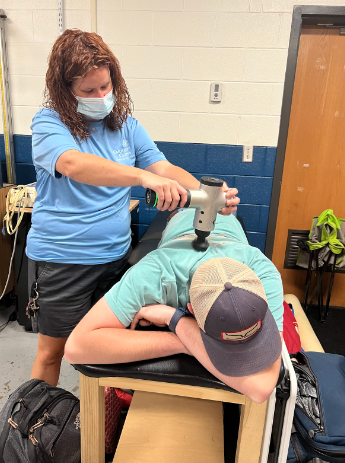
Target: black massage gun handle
{"type": "Point", "coordinates": [151, 198]}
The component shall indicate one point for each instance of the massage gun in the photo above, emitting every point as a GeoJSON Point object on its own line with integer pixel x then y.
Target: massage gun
{"type": "Point", "coordinates": [207, 200]}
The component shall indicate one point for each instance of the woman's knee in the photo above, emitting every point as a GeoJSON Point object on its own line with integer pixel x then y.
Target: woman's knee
{"type": "Point", "coordinates": [50, 350]}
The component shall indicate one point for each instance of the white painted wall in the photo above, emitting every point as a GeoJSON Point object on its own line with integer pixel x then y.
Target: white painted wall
{"type": "Point", "coordinates": [170, 51]}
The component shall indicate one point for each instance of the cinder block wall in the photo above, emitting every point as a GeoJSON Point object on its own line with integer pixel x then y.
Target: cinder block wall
{"type": "Point", "coordinates": [170, 51]}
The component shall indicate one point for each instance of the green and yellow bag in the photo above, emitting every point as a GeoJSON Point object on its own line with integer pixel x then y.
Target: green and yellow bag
{"type": "Point", "coordinates": [327, 234]}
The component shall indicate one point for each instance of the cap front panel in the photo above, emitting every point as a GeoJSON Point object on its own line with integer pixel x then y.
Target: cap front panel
{"type": "Point", "coordinates": [235, 316]}
{"type": "Point", "coordinates": [246, 358]}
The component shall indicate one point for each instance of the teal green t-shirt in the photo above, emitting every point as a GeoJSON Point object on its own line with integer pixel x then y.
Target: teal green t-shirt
{"type": "Point", "coordinates": [164, 275]}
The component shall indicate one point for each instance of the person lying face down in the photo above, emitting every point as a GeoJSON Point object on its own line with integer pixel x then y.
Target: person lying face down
{"type": "Point", "coordinates": [232, 293]}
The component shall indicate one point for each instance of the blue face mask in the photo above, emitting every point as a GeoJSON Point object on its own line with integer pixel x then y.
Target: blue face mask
{"type": "Point", "coordinates": [96, 108]}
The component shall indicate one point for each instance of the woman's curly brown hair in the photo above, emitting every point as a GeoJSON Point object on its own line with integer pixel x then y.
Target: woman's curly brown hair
{"type": "Point", "coordinates": [73, 55]}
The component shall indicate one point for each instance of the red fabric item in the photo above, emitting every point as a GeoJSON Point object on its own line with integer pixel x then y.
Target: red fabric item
{"type": "Point", "coordinates": [124, 397]}
{"type": "Point", "coordinates": [290, 331]}
{"type": "Point", "coordinates": [114, 400]}
{"type": "Point", "coordinates": [112, 417]}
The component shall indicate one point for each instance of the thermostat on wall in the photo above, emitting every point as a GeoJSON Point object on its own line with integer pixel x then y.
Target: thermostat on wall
{"type": "Point", "coordinates": [216, 91]}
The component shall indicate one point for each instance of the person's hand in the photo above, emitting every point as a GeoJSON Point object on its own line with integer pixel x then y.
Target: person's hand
{"type": "Point", "coordinates": [170, 193]}
{"type": "Point", "coordinates": [231, 200]}
{"type": "Point", "coordinates": [153, 314]}
{"type": "Point", "coordinates": [158, 315]}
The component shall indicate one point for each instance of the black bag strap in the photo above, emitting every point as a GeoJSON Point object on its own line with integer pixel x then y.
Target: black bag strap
{"type": "Point", "coordinates": [32, 455]}
{"type": "Point", "coordinates": [36, 454]}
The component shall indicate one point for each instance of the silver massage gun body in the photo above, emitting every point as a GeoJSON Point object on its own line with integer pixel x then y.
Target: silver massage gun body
{"type": "Point", "coordinates": [208, 200]}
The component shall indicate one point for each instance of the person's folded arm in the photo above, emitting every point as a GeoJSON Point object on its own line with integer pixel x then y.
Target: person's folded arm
{"type": "Point", "coordinates": [258, 386]}
{"type": "Point", "coordinates": [100, 338]}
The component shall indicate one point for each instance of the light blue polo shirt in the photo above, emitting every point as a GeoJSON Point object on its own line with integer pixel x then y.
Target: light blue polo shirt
{"type": "Point", "coordinates": [77, 223]}
{"type": "Point", "coordinates": [164, 275]}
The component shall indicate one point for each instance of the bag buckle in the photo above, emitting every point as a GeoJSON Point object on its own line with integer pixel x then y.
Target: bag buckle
{"type": "Point", "coordinates": [33, 439]}
{"type": "Point", "coordinates": [12, 423]}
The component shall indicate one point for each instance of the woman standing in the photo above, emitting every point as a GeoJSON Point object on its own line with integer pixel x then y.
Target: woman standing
{"type": "Point", "coordinates": [87, 151]}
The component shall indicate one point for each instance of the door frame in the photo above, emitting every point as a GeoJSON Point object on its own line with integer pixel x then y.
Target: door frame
{"type": "Point", "coordinates": [302, 16]}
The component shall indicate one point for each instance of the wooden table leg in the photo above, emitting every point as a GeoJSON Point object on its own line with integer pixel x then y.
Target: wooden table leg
{"type": "Point", "coordinates": [251, 432]}
{"type": "Point", "coordinates": [92, 420]}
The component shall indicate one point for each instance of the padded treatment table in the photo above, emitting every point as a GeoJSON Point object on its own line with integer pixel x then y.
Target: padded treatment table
{"type": "Point", "coordinates": [167, 421]}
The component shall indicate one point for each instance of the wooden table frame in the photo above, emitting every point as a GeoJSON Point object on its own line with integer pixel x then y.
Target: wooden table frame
{"type": "Point", "coordinates": [252, 420]}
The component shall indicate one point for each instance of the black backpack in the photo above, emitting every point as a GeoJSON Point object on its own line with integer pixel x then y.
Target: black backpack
{"type": "Point", "coordinates": [40, 424]}
{"type": "Point", "coordinates": [319, 421]}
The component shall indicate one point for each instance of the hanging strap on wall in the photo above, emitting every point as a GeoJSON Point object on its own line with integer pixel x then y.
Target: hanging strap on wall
{"type": "Point", "coordinates": [60, 17]}
{"type": "Point", "coordinates": [6, 104]}
{"type": "Point", "coordinates": [93, 12]}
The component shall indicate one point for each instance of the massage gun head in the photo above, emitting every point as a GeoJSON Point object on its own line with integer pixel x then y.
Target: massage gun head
{"type": "Point", "coordinates": [200, 243]}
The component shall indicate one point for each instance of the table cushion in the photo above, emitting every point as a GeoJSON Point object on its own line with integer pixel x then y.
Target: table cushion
{"type": "Point", "coordinates": [178, 369]}
{"type": "Point", "coordinates": [156, 227]}
{"type": "Point", "coordinates": [141, 250]}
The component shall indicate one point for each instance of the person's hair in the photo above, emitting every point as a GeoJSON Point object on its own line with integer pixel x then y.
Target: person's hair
{"type": "Point", "coordinates": [73, 55]}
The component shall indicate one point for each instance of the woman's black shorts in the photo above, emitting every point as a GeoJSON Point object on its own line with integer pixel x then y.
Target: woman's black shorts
{"type": "Point", "coordinates": [66, 292]}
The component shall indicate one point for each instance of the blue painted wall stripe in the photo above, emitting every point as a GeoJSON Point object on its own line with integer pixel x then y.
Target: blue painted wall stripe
{"type": "Point", "coordinates": [253, 180]}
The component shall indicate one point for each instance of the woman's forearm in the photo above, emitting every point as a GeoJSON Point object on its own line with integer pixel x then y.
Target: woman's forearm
{"type": "Point", "coordinates": [116, 345]}
{"type": "Point", "coordinates": [93, 170]}
{"type": "Point", "coordinates": [168, 170]}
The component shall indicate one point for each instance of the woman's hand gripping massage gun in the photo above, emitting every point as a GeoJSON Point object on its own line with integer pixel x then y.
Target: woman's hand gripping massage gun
{"type": "Point", "coordinates": [208, 200]}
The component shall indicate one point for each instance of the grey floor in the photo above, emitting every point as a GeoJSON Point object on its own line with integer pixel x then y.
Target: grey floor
{"type": "Point", "coordinates": [17, 354]}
